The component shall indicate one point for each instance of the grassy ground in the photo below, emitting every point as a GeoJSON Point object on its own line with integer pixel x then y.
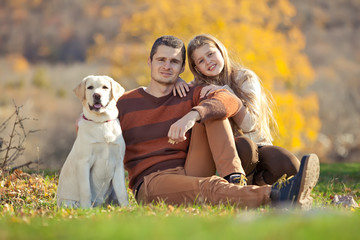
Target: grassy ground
{"type": "Point", "coordinates": [28, 211]}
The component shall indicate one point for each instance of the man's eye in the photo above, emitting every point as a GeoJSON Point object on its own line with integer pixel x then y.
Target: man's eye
{"type": "Point", "coordinates": [105, 87]}
{"type": "Point", "coordinates": [90, 87]}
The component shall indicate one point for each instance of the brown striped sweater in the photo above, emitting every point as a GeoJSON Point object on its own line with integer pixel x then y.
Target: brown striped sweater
{"type": "Point", "coordinates": [145, 121]}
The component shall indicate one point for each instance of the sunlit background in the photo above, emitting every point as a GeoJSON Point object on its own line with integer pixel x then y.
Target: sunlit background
{"type": "Point", "coordinates": [306, 52]}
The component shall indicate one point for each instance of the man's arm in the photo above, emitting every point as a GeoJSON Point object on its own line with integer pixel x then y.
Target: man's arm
{"type": "Point", "coordinates": [220, 104]}
{"type": "Point", "coordinates": [180, 127]}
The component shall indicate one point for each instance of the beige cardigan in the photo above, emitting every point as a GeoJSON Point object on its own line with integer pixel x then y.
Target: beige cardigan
{"type": "Point", "coordinates": [248, 123]}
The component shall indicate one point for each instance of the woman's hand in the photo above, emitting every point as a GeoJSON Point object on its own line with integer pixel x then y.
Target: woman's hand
{"type": "Point", "coordinates": [181, 87]}
{"type": "Point", "coordinates": [177, 130]}
{"type": "Point", "coordinates": [205, 91]}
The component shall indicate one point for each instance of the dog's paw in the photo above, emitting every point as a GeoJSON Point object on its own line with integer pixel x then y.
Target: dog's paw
{"type": "Point", "coordinates": [68, 204]}
{"type": "Point", "coordinates": [124, 203]}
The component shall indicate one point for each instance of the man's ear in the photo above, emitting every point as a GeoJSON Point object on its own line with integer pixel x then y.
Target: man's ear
{"type": "Point", "coordinates": [149, 62]}
{"type": "Point", "coordinates": [116, 89]}
{"type": "Point", "coordinates": [79, 90]}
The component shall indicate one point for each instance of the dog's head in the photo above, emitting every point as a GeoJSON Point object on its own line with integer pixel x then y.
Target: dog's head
{"type": "Point", "coordinates": [99, 93]}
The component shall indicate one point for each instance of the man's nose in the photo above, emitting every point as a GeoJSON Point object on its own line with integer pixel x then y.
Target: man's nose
{"type": "Point", "coordinates": [166, 65]}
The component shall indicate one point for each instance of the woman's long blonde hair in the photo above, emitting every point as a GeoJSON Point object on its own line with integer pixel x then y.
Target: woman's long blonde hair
{"type": "Point", "coordinates": [234, 75]}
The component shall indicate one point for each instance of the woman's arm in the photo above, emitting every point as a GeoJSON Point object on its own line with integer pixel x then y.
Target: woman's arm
{"type": "Point", "coordinates": [238, 118]}
{"type": "Point", "coordinates": [247, 117]}
{"type": "Point", "coordinates": [181, 87]}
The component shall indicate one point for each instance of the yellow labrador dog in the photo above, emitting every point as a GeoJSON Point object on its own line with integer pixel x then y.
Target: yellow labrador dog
{"type": "Point", "coordinates": [93, 173]}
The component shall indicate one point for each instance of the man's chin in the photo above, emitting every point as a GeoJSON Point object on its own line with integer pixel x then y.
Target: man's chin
{"type": "Point", "coordinates": [166, 82]}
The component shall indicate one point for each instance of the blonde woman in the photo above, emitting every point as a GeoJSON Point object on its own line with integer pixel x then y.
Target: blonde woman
{"type": "Point", "coordinates": [210, 64]}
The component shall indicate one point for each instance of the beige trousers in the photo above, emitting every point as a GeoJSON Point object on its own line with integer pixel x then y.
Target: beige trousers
{"type": "Point", "coordinates": [182, 186]}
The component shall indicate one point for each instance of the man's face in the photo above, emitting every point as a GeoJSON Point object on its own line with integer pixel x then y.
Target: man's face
{"type": "Point", "coordinates": [166, 65]}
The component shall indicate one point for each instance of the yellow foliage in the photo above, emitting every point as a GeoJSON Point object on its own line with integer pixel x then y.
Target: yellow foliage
{"type": "Point", "coordinates": [297, 118]}
{"type": "Point", "coordinates": [19, 63]}
{"type": "Point", "coordinates": [36, 3]}
{"type": "Point", "coordinates": [99, 39]}
{"type": "Point", "coordinates": [251, 32]}
{"type": "Point", "coordinates": [17, 3]}
{"type": "Point", "coordinates": [106, 12]}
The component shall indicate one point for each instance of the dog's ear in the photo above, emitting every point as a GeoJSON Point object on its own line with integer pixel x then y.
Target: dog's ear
{"type": "Point", "coordinates": [79, 90]}
{"type": "Point", "coordinates": [117, 89]}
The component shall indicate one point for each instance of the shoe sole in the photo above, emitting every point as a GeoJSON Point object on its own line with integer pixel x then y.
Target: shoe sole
{"type": "Point", "coordinates": [309, 178]}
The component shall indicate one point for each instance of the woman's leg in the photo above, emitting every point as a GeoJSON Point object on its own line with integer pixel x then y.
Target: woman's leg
{"type": "Point", "coordinates": [274, 162]}
{"type": "Point", "coordinates": [248, 153]}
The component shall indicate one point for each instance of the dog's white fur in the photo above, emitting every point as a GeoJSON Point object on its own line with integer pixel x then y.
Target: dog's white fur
{"type": "Point", "coordinates": [93, 173]}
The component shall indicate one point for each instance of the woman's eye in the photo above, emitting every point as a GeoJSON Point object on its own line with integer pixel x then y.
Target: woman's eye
{"type": "Point", "coordinates": [90, 87]}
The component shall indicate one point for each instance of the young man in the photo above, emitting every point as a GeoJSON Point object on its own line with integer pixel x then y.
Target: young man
{"type": "Point", "coordinates": [159, 153]}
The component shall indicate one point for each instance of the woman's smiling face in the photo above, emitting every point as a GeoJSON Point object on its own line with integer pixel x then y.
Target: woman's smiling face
{"type": "Point", "coordinates": [208, 60]}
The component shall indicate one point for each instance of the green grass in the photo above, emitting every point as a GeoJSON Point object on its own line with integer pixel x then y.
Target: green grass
{"type": "Point", "coordinates": [339, 178]}
{"type": "Point", "coordinates": [247, 225]}
{"type": "Point", "coordinates": [325, 221]}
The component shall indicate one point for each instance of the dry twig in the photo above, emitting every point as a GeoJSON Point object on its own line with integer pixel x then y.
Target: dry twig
{"type": "Point", "coordinates": [12, 147]}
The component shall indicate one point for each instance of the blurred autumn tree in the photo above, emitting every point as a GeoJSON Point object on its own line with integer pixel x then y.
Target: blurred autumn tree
{"type": "Point", "coordinates": [53, 30]}
{"type": "Point", "coordinates": [259, 33]}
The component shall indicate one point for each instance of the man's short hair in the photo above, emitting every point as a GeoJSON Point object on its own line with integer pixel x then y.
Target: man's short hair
{"type": "Point", "coordinates": [169, 41]}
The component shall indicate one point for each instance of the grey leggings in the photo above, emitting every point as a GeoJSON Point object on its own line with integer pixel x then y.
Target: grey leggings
{"type": "Point", "coordinates": [265, 164]}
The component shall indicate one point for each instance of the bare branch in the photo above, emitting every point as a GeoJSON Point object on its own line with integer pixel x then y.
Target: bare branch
{"type": "Point", "coordinates": [14, 146]}
{"type": "Point", "coordinates": [22, 165]}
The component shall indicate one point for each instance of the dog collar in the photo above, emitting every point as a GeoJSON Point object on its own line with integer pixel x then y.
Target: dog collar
{"type": "Point", "coordinates": [83, 116]}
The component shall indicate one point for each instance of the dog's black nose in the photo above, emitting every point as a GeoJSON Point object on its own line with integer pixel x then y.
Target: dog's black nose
{"type": "Point", "coordinates": [97, 96]}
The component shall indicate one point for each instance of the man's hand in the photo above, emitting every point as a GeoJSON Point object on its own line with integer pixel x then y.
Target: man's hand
{"type": "Point", "coordinates": [177, 130]}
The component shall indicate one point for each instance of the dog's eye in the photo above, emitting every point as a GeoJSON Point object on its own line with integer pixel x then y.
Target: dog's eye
{"type": "Point", "coordinates": [105, 87]}
{"type": "Point", "coordinates": [90, 87]}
